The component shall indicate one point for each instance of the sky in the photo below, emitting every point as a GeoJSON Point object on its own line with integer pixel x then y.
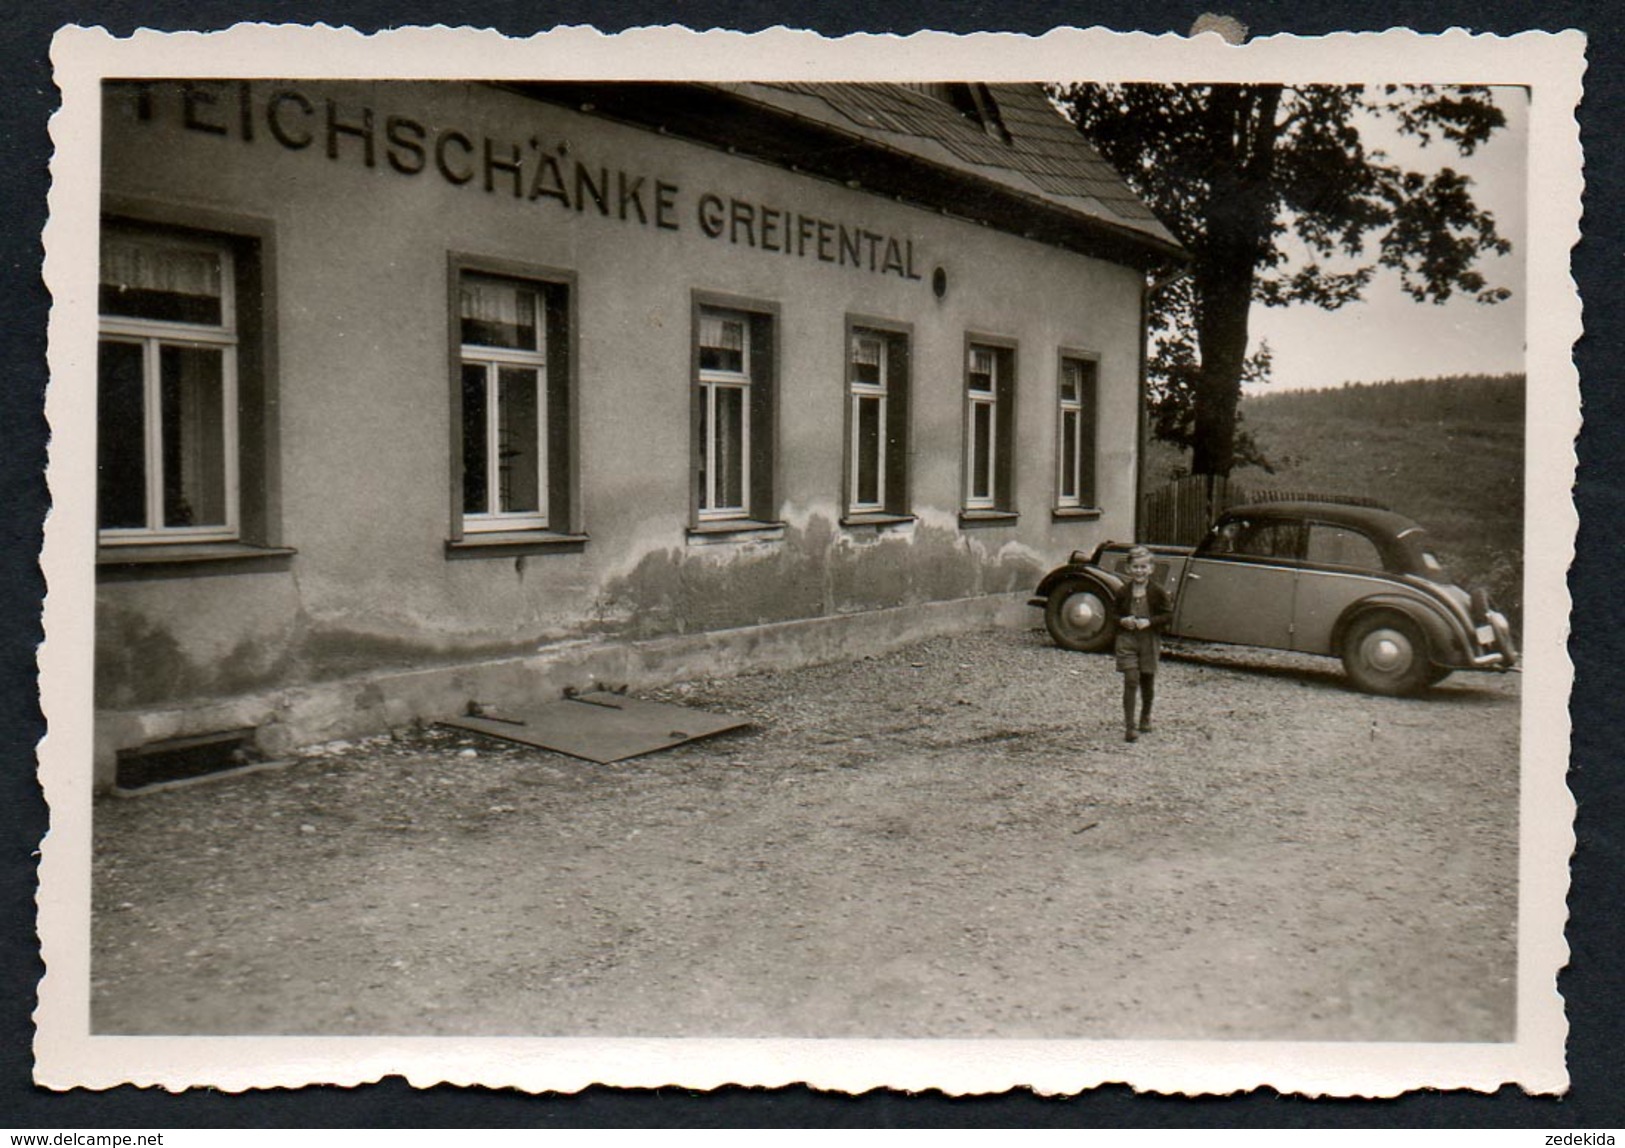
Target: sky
{"type": "Point", "coordinates": [1388, 336]}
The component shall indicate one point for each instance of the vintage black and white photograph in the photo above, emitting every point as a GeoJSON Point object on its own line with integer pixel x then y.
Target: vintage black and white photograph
{"type": "Point", "coordinates": [1042, 557]}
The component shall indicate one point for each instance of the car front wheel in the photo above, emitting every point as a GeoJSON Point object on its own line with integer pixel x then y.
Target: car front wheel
{"type": "Point", "coordinates": [1386, 654]}
{"type": "Point", "coordinates": [1079, 616]}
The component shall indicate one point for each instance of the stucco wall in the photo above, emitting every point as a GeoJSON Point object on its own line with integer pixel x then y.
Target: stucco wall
{"type": "Point", "coordinates": [363, 411]}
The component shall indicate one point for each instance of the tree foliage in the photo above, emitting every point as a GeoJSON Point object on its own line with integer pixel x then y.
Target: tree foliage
{"type": "Point", "coordinates": [1279, 201]}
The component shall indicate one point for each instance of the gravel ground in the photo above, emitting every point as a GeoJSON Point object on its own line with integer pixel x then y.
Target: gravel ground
{"type": "Point", "coordinates": [951, 840]}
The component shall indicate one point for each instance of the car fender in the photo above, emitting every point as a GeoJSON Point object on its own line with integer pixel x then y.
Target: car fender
{"type": "Point", "coordinates": [1074, 571]}
{"type": "Point", "coordinates": [1447, 645]}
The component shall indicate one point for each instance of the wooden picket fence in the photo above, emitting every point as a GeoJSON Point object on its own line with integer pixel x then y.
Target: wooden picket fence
{"type": "Point", "coordinates": [1180, 513]}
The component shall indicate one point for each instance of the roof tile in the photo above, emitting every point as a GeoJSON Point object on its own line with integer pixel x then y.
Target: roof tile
{"type": "Point", "coordinates": [1042, 154]}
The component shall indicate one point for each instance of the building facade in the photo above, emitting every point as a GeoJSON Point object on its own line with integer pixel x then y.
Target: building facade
{"type": "Point", "coordinates": [416, 393]}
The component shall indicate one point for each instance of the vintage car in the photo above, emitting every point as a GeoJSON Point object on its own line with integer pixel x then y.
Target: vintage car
{"type": "Point", "coordinates": [1353, 582]}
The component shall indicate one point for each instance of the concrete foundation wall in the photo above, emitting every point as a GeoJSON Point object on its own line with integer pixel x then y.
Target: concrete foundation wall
{"type": "Point", "coordinates": [377, 701]}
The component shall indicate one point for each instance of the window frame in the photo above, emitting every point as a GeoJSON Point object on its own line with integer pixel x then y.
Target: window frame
{"type": "Point", "coordinates": [492, 360]}
{"type": "Point", "coordinates": [1315, 529]}
{"type": "Point", "coordinates": [1083, 465]}
{"type": "Point", "coordinates": [758, 382]}
{"type": "Point", "coordinates": [999, 504]}
{"type": "Point", "coordinates": [711, 382]}
{"type": "Point", "coordinates": [557, 523]}
{"type": "Point", "coordinates": [252, 448]}
{"type": "Point", "coordinates": [860, 393]}
{"type": "Point", "coordinates": [153, 336]}
{"type": "Point", "coordinates": [896, 341]}
{"type": "Point", "coordinates": [1250, 527]}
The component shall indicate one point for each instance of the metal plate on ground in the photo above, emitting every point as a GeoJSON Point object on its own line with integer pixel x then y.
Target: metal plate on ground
{"type": "Point", "coordinates": [598, 726]}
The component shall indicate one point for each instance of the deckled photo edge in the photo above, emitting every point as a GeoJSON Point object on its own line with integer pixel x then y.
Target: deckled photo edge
{"type": "Point", "coordinates": [69, 1056]}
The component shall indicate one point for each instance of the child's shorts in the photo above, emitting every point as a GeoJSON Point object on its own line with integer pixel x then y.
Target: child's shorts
{"type": "Point", "coordinates": [1137, 651]}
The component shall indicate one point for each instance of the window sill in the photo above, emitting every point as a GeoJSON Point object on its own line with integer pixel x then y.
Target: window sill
{"type": "Point", "coordinates": [1075, 513]}
{"type": "Point", "coordinates": [735, 530]}
{"type": "Point", "coordinates": [201, 556]}
{"type": "Point", "coordinates": [975, 518]}
{"type": "Point", "coordinates": [178, 553]}
{"type": "Point", "coordinates": [879, 519]}
{"type": "Point", "coordinates": [502, 543]}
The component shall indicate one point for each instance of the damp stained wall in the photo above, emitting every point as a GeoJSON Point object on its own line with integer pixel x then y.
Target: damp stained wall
{"type": "Point", "coordinates": [361, 408]}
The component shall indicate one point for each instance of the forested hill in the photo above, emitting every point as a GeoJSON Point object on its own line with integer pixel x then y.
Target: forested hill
{"type": "Point", "coordinates": [1448, 452]}
{"type": "Point", "coordinates": [1470, 398]}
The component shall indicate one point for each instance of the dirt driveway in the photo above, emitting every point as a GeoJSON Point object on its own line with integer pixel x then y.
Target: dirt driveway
{"type": "Point", "coordinates": [951, 840]}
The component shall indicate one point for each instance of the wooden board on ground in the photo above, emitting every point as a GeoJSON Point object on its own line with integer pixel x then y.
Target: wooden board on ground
{"type": "Point", "coordinates": [598, 726]}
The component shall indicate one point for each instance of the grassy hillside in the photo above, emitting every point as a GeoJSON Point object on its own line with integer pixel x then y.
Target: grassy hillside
{"type": "Point", "coordinates": [1446, 452]}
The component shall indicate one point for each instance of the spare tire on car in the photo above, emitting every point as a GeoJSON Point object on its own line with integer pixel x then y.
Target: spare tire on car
{"type": "Point", "coordinates": [1079, 616]}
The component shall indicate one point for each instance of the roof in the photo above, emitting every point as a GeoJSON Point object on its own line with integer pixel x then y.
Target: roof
{"type": "Point", "coordinates": [1037, 152]}
{"type": "Point", "coordinates": [1400, 540]}
{"type": "Point", "coordinates": [1371, 519]}
{"type": "Point", "coordinates": [999, 154]}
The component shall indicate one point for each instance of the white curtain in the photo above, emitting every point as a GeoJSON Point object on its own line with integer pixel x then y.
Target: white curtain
{"type": "Point", "coordinates": [147, 263]}
{"type": "Point", "coordinates": [720, 331]}
{"type": "Point", "coordinates": [489, 302]}
{"type": "Point", "coordinates": [1071, 381]}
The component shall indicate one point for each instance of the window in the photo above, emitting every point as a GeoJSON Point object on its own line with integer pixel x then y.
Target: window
{"type": "Point", "coordinates": [989, 427]}
{"type": "Point", "coordinates": [512, 400]}
{"type": "Point", "coordinates": [733, 416]}
{"type": "Point", "coordinates": [1256, 538]}
{"type": "Point", "coordinates": [1340, 546]}
{"type": "Point", "coordinates": [166, 387]}
{"type": "Point", "coordinates": [1075, 435]}
{"type": "Point", "coordinates": [877, 422]}
{"type": "Point", "coordinates": [504, 384]}
{"type": "Point", "coordinates": [724, 414]}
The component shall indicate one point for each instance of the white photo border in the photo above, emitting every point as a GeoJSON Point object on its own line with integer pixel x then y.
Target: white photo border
{"type": "Point", "coordinates": [68, 1055]}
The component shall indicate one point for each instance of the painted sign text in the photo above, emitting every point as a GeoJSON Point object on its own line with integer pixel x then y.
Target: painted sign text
{"type": "Point", "coordinates": [531, 170]}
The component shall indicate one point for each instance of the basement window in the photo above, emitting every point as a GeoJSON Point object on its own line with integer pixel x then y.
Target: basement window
{"type": "Point", "coordinates": [165, 763]}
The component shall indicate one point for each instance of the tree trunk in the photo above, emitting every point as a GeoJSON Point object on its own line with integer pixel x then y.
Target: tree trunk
{"type": "Point", "coordinates": [1221, 330]}
{"type": "Point", "coordinates": [1242, 139]}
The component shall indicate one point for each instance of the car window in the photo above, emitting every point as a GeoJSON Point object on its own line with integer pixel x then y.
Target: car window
{"type": "Point", "coordinates": [1222, 538]}
{"type": "Point", "coordinates": [1159, 569]}
{"type": "Point", "coordinates": [1340, 546]}
{"type": "Point", "coordinates": [1256, 538]}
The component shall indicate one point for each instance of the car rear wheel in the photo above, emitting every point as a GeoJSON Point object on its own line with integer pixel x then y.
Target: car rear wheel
{"type": "Point", "coordinates": [1079, 616]}
{"type": "Point", "coordinates": [1385, 653]}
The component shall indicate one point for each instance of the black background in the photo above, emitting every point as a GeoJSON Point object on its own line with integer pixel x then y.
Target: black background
{"type": "Point", "coordinates": [1593, 987]}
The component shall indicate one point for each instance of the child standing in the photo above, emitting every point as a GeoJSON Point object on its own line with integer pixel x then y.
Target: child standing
{"type": "Point", "coordinates": [1143, 611]}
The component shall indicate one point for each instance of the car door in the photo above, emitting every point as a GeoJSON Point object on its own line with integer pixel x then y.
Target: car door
{"type": "Point", "coordinates": [1341, 566]}
{"type": "Point", "coordinates": [1240, 583]}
